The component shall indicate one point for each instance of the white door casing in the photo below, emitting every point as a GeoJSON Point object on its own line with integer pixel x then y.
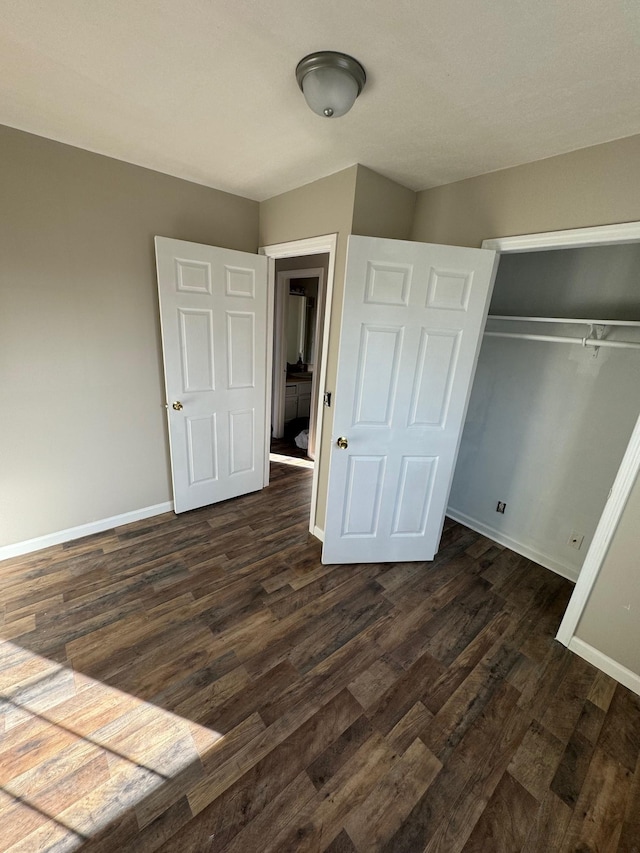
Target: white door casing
{"type": "Point", "coordinates": [213, 312]}
{"type": "Point", "coordinates": [412, 323]}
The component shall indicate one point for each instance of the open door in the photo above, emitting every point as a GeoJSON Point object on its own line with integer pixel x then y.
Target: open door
{"type": "Point", "coordinates": [412, 323]}
{"type": "Point", "coordinates": [213, 311]}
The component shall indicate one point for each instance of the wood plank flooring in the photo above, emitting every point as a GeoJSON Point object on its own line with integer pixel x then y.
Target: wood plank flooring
{"type": "Point", "coordinates": [203, 683]}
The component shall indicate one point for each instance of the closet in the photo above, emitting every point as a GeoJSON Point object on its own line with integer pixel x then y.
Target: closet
{"type": "Point", "coordinates": [555, 398]}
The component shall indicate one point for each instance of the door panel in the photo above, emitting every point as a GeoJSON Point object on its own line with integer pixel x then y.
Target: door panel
{"type": "Point", "coordinates": [196, 348]}
{"type": "Point", "coordinates": [241, 359]}
{"type": "Point", "coordinates": [413, 317]}
{"type": "Point", "coordinates": [365, 476]}
{"type": "Point", "coordinates": [213, 310]}
{"type": "Point", "coordinates": [417, 474]}
{"type": "Point", "coordinates": [435, 369]}
{"type": "Point", "coordinates": [202, 449]}
{"type": "Point", "coordinates": [377, 376]}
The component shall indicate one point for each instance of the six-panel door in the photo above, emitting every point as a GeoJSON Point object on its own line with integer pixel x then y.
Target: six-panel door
{"type": "Point", "coordinates": [413, 317]}
{"type": "Point", "coordinates": [213, 308]}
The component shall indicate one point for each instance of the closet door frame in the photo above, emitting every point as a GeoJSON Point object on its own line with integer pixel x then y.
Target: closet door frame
{"type": "Point", "coordinates": [626, 232]}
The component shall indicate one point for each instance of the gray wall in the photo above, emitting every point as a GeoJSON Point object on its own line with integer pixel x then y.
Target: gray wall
{"type": "Point", "coordinates": [83, 433]}
{"type": "Point", "coordinates": [602, 282]}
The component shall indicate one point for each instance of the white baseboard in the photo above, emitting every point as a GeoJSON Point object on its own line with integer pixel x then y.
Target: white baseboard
{"type": "Point", "coordinates": [29, 545]}
{"type": "Point", "coordinates": [568, 572]}
{"type": "Point", "coordinates": [609, 666]}
{"type": "Point", "coordinates": [318, 532]}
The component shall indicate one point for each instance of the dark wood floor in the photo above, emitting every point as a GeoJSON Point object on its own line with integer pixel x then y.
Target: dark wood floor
{"type": "Point", "coordinates": [285, 447]}
{"type": "Point", "coordinates": [202, 683]}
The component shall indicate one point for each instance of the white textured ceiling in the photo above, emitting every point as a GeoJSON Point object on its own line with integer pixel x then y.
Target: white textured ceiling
{"type": "Point", "coordinates": [205, 89]}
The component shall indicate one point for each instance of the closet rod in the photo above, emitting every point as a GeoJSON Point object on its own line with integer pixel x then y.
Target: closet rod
{"type": "Point", "coordinates": [557, 339]}
{"type": "Point", "coordinates": [565, 320]}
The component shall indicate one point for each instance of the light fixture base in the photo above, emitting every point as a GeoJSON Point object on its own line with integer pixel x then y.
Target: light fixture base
{"type": "Point", "coordinates": [331, 59]}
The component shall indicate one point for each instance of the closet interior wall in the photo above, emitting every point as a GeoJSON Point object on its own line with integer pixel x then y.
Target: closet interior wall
{"type": "Point", "coordinates": [548, 423]}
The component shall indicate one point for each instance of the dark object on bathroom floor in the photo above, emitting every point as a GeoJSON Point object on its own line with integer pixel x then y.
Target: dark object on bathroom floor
{"type": "Point", "coordinates": [294, 428]}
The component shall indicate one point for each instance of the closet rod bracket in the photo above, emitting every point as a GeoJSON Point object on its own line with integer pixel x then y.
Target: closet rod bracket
{"type": "Point", "coordinates": [596, 333]}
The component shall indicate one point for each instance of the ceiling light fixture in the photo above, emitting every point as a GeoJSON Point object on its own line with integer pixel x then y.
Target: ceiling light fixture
{"type": "Point", "coordinates": [330, 82]}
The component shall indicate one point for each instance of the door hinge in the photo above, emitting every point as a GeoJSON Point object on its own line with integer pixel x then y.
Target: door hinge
{"type": "Point", "coordinates": [326, 398]}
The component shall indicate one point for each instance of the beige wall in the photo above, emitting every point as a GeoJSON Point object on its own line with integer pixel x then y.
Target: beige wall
{"type": "Point", "coordinates": [322, 207]}
{"type": "Point", "coordinates": [382, 208]}
{"type": "Point", "coordinates": [593, 186]}
{"type": "Point", "coordinates": [611, 620]}
{"type": "Point", "coordinates": [83, 435]}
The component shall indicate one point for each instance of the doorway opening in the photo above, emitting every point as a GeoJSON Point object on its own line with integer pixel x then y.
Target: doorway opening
{"type": "Point", "coordinates": [305, 260]}
{"type": "Point", "coordinates": [299, 314]}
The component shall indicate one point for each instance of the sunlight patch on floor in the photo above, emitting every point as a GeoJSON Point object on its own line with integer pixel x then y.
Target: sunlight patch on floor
{"type": "Point", "coordinates": [75, 753]}
{"type": "Point", "coordinates": [291, 460]}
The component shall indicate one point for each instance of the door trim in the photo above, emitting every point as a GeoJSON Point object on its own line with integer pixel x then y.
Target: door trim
{"type": "Point", "coordinates": [598, 235]}
{"type": "Point", "coordinates": [325, 244]}
{"type": "Point", "coordinates": [626, 232]}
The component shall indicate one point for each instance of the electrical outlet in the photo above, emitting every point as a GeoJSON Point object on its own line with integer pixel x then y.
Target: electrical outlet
{"type": "Point", "coordinates": [576, 540]}
{"type": "Point", "coordinates": [501, 507]}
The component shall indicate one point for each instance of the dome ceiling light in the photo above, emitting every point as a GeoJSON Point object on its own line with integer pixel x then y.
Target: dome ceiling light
{"type": "Point", "coordinates": [330, 82]}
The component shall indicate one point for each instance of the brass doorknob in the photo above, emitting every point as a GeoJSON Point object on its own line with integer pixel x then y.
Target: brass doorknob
{"type": "Point", "coordinates": [177, 406]}
{"type": "Point", "coordinates": [342, 443]}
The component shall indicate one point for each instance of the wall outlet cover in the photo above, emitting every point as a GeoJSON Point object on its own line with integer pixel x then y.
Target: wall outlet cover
{"type": "Point", "coordinates": [576, 540]}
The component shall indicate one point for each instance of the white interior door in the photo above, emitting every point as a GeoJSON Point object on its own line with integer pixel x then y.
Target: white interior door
{"type": "Point", "coordinates": [213, 311]}
{"type": "Point", "coordinates": [412, 323]}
